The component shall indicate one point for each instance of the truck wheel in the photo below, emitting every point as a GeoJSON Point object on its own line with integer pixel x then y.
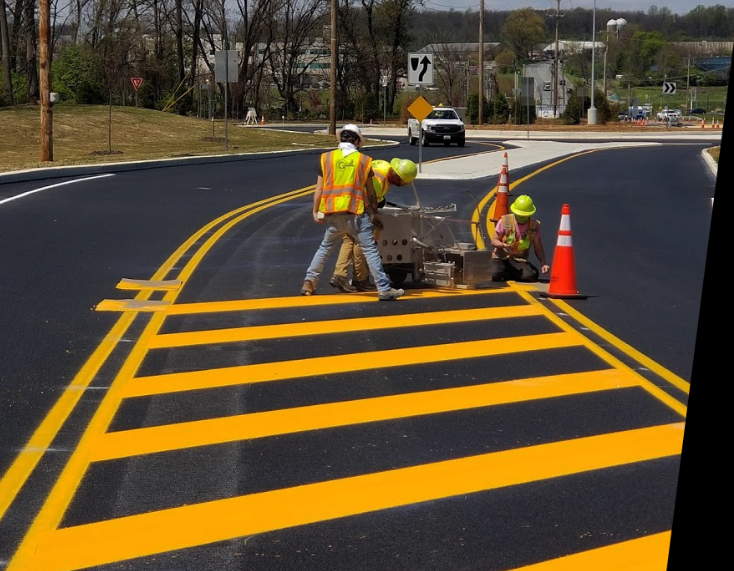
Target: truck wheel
{"type": "Point", "coordinates": [413, 140]}
{"type": "Point", "coordinates": [461, 142]}
{"type": "Point", "coordinates": [424, 141]}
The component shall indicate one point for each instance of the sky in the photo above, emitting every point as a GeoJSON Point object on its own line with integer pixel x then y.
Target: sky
{"type": "Point", "coordinates": [680, 7]}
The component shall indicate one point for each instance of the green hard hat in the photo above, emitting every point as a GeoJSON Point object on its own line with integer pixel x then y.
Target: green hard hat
{"type": "Point", "coordinates": [406, 169]}
{"type": "Point", "coordinates": [523, 206]}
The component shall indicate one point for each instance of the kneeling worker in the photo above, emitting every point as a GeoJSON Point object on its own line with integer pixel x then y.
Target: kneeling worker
{"type": "Point", "coordinates": [398, 172]}
{"type": "Point", "coordinates": [513, 235]}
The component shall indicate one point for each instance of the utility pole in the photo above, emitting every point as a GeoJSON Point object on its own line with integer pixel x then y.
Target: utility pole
{"type": "Point", "coordinates": [44, 33]}
{"type": "Point", "coordinates": [688, 86]}
{"type": "Point", "coordinates": [591, 118]}
{"type": "Point", "coordinates": [481, 62]}
{"type": "Point", "coordinates": [332, 81]}
{"type": "Point", "coordinates": [556, 63]}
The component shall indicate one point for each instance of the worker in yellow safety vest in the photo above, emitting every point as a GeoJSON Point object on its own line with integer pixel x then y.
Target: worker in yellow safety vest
{"type": "Point", "coordinates": [346, 202]}
{"type": "Point", "coordinates": [398, 172]}
{"type": "Point", "coordinates": [513, 235]}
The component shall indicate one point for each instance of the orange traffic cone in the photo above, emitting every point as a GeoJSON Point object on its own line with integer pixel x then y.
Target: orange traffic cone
{"type": "Point", "coordinates": [262, 120]}
{"type": "Point", "coordinates": [563, 273]}
{"type": "Point", "coordinates": [506, 168]}
{"type": "Point", "coordinates": [501, 206]}
{"type": "Point", "coordinates": [703, 125]}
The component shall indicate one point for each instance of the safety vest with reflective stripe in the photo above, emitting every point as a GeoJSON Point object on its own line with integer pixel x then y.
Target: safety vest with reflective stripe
{"type": "Point", "coordinates": [344, 181]}
{"type": "Point", "coordinates": [521, 246]}
{"type": "Point", "coordinates": [382, 185]}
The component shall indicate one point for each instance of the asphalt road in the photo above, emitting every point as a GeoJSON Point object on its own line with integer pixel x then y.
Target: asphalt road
{"type": "Point", "coordinates": [234, 424]}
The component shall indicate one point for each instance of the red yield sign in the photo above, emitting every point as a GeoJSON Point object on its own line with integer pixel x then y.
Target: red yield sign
{"type": "Point", "coordinates": [137, 82]}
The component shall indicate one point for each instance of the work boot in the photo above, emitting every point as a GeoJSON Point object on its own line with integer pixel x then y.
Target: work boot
{"type": "Point", "coordinates": [364, 285]}
{"type": "Point", "coordinates": [342, 284]}
{"type": "Point", "coordinates": [390, 294]}
{"type": "Point", "coordinates": [308, 288]}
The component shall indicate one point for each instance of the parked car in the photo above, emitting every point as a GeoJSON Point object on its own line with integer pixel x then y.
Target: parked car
{"type": "Point", "coordinates": [547, 86]}
{"type": "Point", "coordinates": [698, 111]}
{"type": "Point", "coordinates": [443, 125]}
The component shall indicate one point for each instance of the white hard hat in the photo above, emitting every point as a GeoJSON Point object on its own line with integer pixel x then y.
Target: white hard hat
{"type": "Point", "coordinates": [352, 128]}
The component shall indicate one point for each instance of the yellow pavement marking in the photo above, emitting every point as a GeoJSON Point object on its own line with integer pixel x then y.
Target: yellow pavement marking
{"type": "Point", "coordinates": [650, 387]}
{"type": "Point", "coordinates": [659, 370]}
{"type": "Point", "coordinates": [309, 328]}
{"type": "Point", "coordinates": [151, 533]}
{"type": "Point", "coordinates": [165, 285]}
{"type": "Point", "coordinates": [113, 445]}
{"type": "Point", "coordinates": [24, 464]}
{"type": "Point", "coordinates": [644, 554]}
{"type": "Point", "coordinates": [319, 300]}
{"type": "Point", "coordinates": [132, 305]}
{"type": "Point", "coordinates": [320, 366]}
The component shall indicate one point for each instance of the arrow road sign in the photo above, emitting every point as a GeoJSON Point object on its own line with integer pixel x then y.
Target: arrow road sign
{"type": "Point", "coordinates": [420, 69]}
{"type": "Point", "coordinates": [668, 88]}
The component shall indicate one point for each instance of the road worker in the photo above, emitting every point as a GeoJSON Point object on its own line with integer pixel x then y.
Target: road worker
{"type": "Point", "coordinates": [346, 202]}
{"type": "Point", "coordinates": [398, 172]}
{"type": "Point", "coordinates": [513, 235]}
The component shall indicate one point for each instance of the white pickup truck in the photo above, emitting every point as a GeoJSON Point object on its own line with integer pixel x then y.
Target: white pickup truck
{"type": "Point", "coordinates": [442, 125]}
{"type": "Point", "coordinates": [670, 115]}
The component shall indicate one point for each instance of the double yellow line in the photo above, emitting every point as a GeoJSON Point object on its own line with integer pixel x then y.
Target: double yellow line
{"type": "Point", "coordinates": [22, 467]}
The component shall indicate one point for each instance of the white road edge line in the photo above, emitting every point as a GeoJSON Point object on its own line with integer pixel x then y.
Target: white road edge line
{"type": "Point", "coordinates": [3, 201]}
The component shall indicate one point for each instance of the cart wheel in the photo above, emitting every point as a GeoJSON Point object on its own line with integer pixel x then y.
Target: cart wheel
{"type": "Point", "coordinates": [397, 277]}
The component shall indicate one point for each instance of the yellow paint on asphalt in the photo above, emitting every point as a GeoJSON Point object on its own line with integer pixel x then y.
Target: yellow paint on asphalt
{"type": "Point", "coordinates": [164, 285]}
{"type": "Point", "coordinates": [132, 305]}
{"type": "Point", "coordinates": [319, 300]}
{"type": "Point", "coordinates": [650, 387]}
{"type": "Point", "coordinates": [24, 464]}
{"type": "Point", "coordinates": [120, 539]}
{"type": "Point", "coordinates": [308, 328]}
{"type": "Point", "coordinates": [331, 365]}
{"type": "Point", "coordinates": [644, 360]}
{"type": "Point", "coordinates": [122, 444]}
{"type": "Point", "coordinates": [649, 553]}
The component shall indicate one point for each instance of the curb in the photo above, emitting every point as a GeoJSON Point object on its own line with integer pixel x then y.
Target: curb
{"type": "Point", "coordinates": [708, 159]}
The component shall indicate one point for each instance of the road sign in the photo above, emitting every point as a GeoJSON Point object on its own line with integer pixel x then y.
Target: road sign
{"type": "Point", "coordinates": [420, 69]}
{"type": "Point", "coordinates": [137, 82]}
{"type": "Point", "coordinates": [527, 88]}
{"type": "Point", "coordinates": [668, 88]}
{"type": "Point", "coordinates": [420, 108]}
{"type": "Point", "coordinates": [225, 66]}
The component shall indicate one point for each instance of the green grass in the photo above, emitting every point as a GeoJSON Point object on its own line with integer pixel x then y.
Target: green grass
{"type": "Point", "coordinates": [80, 135]}
{"type": "Point", "coordinates": [712, 99]}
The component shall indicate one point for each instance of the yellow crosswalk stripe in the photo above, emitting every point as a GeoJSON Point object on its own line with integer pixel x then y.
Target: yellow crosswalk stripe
{"type": "Point", "coordinates": [286, 421]}
{"type": "Point", "coordinates": [72, 548]}
{"type": "Point", "coordinates": [320, 366]}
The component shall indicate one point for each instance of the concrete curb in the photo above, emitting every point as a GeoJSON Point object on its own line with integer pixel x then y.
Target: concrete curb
{"type": "Point", "coordinates": [43, 173]}
{"type": "Point", "coordinates": [708, 159]}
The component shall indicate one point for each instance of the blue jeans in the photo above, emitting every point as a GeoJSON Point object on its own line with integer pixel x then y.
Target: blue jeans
{"type": "Point", "coordinates": [358, 227]}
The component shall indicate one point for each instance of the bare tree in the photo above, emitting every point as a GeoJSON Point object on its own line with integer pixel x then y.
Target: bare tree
{"type": "Point", "coordinates": [289, 58]}
{"type": "Point", "coordinates": [5, 49]}
{"type": "Point", "coordinates": [31, 44]}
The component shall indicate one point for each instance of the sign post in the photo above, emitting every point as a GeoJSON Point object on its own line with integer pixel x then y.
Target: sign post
{"type": "Point", "coordinates": [420, 108]}
{"type": "Point", "coordinates": [137, 82]}
{"type": "Point", "coordinates": [225, 71]}
{"type": "Point", "coordinates": [528, 86]}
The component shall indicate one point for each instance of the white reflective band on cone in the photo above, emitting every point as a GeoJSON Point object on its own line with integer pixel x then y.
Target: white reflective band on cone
{"type": "Point", "coordinates": [566, 223]}
{"type": "Point", "coordinates": [564, 241]}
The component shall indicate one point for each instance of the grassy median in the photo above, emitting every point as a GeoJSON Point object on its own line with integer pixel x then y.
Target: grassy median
{"type": "Point", "coordinates": [84, 134]}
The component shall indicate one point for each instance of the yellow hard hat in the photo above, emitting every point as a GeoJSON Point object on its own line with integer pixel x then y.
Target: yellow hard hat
{"type": "Point", "coordinates": [523, 206]}
{"type": "Point", "coordinates": [406, 169]}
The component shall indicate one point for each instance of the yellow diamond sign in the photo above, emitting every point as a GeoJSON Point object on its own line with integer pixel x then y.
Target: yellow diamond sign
{"type": "Point", "coordinates": [420, 108]}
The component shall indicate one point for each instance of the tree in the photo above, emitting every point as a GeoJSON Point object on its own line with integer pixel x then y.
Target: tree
{"type": "Point", "coordinates": [523, 29]}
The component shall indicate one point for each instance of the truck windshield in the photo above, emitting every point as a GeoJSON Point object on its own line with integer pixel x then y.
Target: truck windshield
{"type": "Point", "coordinates": [442, 114]}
